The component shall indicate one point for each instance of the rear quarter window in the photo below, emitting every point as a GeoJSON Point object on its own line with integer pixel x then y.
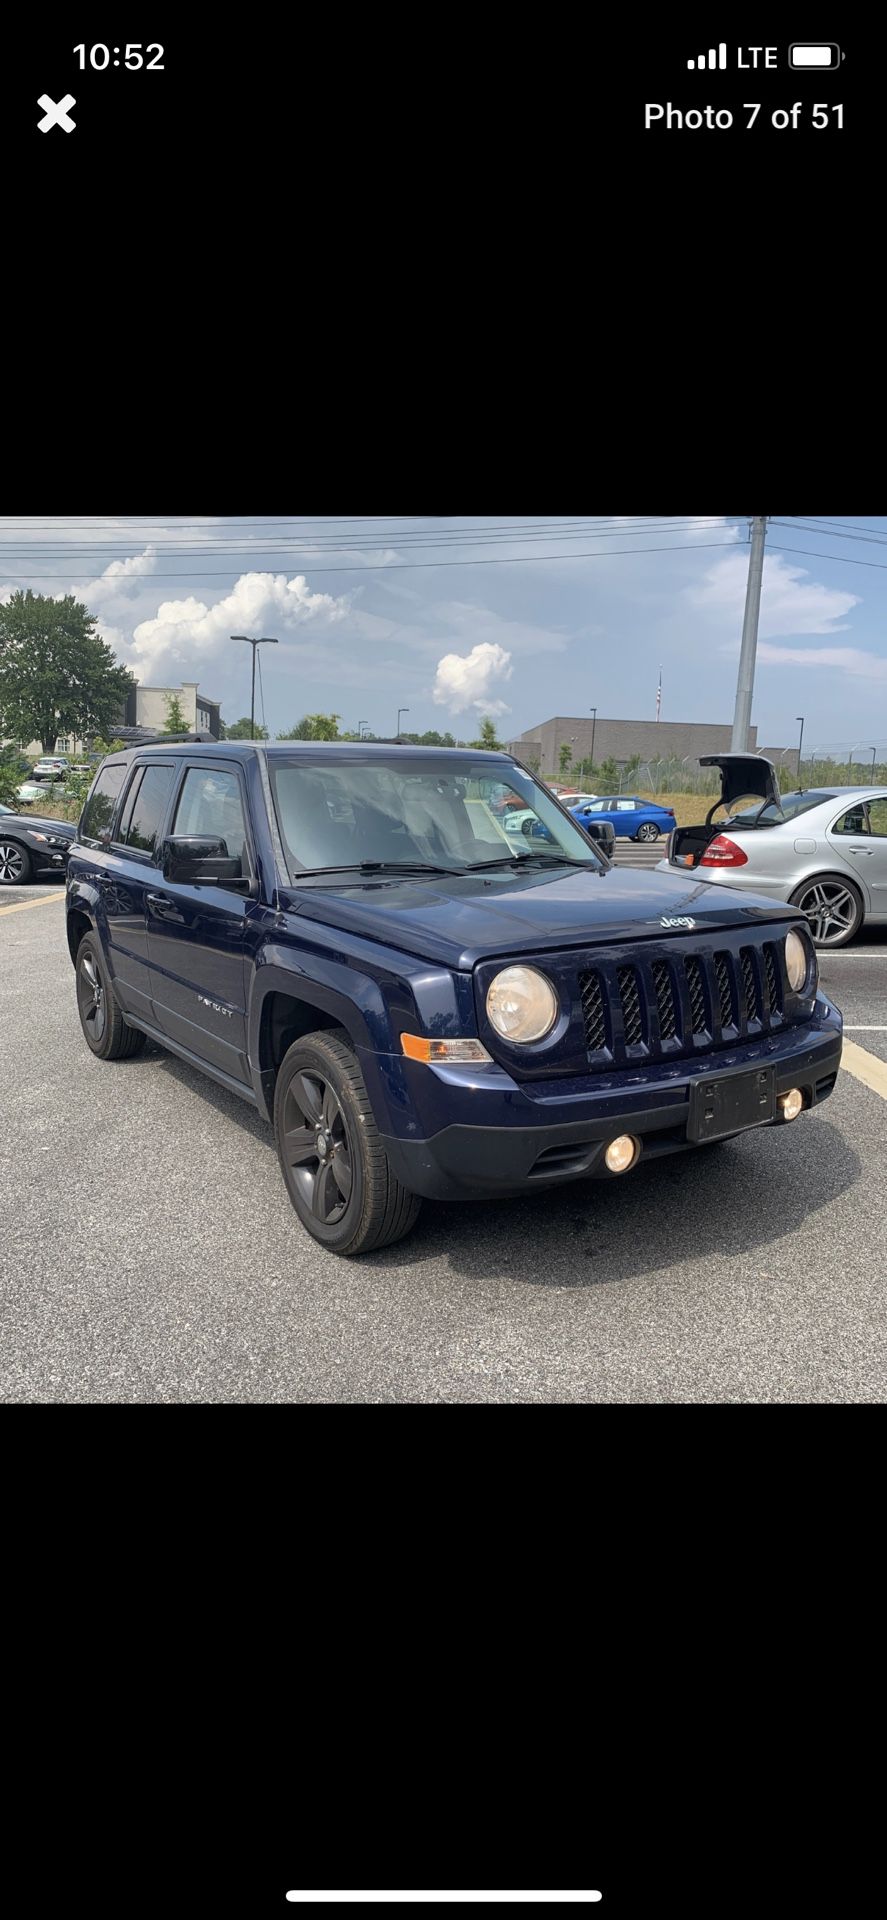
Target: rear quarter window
{"type": "Point", "coordinates": [98, 814]}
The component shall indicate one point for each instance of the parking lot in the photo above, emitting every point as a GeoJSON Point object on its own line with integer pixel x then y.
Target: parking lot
{"type": "Point", "coordinates": [149, 1252]}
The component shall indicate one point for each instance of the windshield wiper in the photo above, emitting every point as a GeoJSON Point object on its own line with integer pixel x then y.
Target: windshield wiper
{"type": "Point", "coordinates": [370, 867]}
{"type": "Point", "coordinates": [531, 859]}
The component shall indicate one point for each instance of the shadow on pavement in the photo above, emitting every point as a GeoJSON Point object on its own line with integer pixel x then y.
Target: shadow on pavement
{"type": "Point", "coordinates": [725, 1201]}
{"type": "Point", "coordinates": [721, 1202]}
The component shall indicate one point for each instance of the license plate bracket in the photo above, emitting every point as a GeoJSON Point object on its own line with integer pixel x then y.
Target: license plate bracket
{"type": "Point", "coordinates": [721, 1104]}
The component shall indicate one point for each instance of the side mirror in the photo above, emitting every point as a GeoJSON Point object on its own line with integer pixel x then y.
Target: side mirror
{"type": "Point", "coordinates": [199, 860]}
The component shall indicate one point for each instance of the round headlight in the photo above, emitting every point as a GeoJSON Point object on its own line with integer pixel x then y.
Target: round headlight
{"type": "Point", "coordinates": [522, 1005]}
{"type": "Point", "coordinates": [796, 962]}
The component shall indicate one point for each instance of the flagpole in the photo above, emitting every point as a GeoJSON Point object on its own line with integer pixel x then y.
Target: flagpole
{"type": "Point", "coordinates": [659, 698]}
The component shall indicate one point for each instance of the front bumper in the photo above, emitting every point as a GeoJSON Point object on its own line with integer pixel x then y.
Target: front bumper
{"type": "Point", "coordinates": [507, 1138]}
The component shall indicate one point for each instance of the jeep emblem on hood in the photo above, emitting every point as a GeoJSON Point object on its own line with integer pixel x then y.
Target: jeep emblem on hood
{"type": "Point", "coordinates": [678, 921]}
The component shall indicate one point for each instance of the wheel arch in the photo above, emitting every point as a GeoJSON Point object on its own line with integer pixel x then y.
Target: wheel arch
{"type": "Point", "coordinates": [285, 1007]}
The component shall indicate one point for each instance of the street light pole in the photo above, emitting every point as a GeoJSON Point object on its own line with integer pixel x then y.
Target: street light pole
{"type": "Point", "coordinates": [360, 727]}
{"type": "Point", "coordinates": [593, 732]}
{"type": "Point", "coordinates": [800, 716]}
{"type": "Point", "coordinates": [400, 710]}
{"type": "Point", "coordinates": [746, 684]}
{"type": "Point", "coordinates": [874, 751]}
{"type": "Point", "coordinates": [255, 644]}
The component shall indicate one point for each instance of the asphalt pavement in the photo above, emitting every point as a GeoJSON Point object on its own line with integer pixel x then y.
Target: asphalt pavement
{"type": "Point", "coordinates": [149, 1253]}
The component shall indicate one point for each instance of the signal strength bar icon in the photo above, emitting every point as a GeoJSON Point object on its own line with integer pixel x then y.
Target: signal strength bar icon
{"type": "Point", "coordinates": [712, 58]}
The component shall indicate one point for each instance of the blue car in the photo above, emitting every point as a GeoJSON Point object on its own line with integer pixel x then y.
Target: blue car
{"type": "Point", "coordinates": [630, 818]}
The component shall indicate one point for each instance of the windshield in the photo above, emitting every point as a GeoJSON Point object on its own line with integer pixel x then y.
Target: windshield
{"type": "Point", "coordinates": [770, 816]}
{"type": "Point", "coordinates": [418, 813]}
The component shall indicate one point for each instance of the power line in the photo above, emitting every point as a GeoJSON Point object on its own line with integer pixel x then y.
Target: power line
{"type": "Point", "coordinates": [846, 559]}
{"type": "Point", "coordinates": [874, 539]}
{"type": "Point", "coordinates": [421, 566]}
{"type": "Point", "coordinates": [347, 520]}
{"type": "Point", "coordinates": [809, 519]}
{"type": "Point", "coordinates": [473, 536]}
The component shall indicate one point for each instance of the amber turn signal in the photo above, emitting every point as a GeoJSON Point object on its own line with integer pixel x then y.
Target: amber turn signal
{"type": "Point", "coordinates": [453, 1053]}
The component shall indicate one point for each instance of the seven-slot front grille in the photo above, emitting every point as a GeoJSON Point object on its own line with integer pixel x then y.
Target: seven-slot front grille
{"type": "Point", "coordinates": [662, 1008]}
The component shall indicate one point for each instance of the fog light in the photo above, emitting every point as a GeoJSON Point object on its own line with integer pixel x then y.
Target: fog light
{"type": "Point", "coordinates": [622, 1154]}
{"type": "Point", "coordinates": [791, 1104]}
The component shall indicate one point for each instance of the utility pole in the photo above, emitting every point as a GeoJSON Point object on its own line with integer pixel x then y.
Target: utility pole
{"type": "Point", "coordinates": [593, 731]}
{"type": "Point", "coordinates": [255, 644]}
{"type": "Point", "coordinates": [746, 685]}
{"type": "Point", "coordinates": [800, 716]}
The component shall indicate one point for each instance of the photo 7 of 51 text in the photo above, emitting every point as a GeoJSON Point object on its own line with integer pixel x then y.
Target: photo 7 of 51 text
{"type": "Point", "coordinates": [671, 119]}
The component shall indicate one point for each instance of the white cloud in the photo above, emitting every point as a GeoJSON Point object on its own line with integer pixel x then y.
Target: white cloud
{"type": "Point", "coordinates": [117, 579]}
{"type": "Point", "coordinates": [188, 632]}
{"type": "Point", "coordinates": [465, 681]}
{"type": "Point", "coordinates": [854, 660]}
{"type": "Point", "coordinates": [6, 594]}
{"type": "Point", "coordinates": [792, 602]}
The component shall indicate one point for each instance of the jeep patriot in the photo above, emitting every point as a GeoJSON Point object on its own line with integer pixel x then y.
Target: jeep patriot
{"type": "Point", "coordinates": [420, 1002]}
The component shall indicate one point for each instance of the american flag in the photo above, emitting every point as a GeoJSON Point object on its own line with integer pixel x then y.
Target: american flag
{"type": "Point", "coordinates": [659, 698]}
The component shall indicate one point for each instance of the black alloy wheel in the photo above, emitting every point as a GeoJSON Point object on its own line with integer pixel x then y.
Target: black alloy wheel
{"type": "Point", "coordinates": [104, 1028]}
{"type": "Point", "coordinates": [331, 1154]}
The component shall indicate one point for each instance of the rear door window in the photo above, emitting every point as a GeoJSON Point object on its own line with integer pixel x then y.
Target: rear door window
{"type": "Point", "coordinates": [149, 810]}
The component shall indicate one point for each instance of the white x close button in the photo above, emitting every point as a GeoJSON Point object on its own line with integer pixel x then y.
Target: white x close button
{"type": "Point", "coordinates": [56, 114]}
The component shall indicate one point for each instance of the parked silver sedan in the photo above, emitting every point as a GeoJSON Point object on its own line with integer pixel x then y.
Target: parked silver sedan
{"type": "Point", "coordinates": [824, 850]}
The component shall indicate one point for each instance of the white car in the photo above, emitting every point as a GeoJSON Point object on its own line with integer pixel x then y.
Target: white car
{"type": "Point", "coordinates": [30, 792]}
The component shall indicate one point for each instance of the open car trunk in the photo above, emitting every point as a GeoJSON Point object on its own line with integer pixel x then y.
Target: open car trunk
{"type": "Point", "coordinates": [744, 776]}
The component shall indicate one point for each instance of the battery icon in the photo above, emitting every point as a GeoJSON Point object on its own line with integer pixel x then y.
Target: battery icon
{"type": "Point", "coordinates": [819, 54]}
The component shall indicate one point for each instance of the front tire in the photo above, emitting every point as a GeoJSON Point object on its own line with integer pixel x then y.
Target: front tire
{"type": "Point", "coordinates": [15, 864]}
{"type": "Point", "coordinates": [648, 833]}
{"type": "Point", "coordinates": [833, 907]}
{"type": "Point", "coordinates": [104, 1028]}
{"type": "Point", "coordinates": [331, 1154]}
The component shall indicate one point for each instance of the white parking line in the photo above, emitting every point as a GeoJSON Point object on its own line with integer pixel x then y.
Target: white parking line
{"type": "Point", "coordinates": [865, 1067]}
{"type": "Point", "coordinates": [864, 1029]}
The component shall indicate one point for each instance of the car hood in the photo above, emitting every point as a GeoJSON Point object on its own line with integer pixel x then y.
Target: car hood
{"type": "Point", "coordinates": [32, 822]}
{"type": "Point", "coordinates": [461, 921]}
{"type": "Point", "coordinates": [744, 776]}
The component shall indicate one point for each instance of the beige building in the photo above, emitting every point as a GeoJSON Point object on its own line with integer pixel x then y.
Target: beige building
{"type": "Point", "coordinates": [146, 707]}
{"type": "Point", "coordinates": [621, 741]}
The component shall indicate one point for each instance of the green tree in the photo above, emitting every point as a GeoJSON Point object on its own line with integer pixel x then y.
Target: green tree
{"type": "Point", "coordinates": [609, 776]}
{"type": "Point", "coordinates": [176, 718]}
{"type": "Point", "coordinates": [244, 730]}
{"type": "Point", "coordinates": [77, 785]}
{"type": "Point", "coordinates": [315, 726]}
{"type": "Point", "coordinates": [12, 773]}
{"type": "Point", "coordinates": [489, 741]}
{"type": "Point", "coordinates": [57, 675]}
{"type": "Point", "coordinates": [566, 759]}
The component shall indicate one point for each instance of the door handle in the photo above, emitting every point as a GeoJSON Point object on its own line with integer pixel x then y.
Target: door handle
{"type": "Point", "coordinates": [867, 851]}
{"type": "Point", "coordinates": [163, 908]}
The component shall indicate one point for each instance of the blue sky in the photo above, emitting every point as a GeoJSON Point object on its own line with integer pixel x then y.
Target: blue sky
{"type": "Point", "coordinates": [576, 612]}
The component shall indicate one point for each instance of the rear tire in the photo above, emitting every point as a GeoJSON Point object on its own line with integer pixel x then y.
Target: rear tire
{"type": "Point", "coordinates": [331, 1155]}
{"type": "Point", "coordinates": [834, 909]}
{"type": "Point", "coordinates": [15, 864]}
{"type": "Point", "coordinates": [104, 1028]}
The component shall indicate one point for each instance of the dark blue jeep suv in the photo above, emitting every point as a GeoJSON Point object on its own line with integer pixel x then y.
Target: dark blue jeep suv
{"type": "Point", "coordinates": [420, 1001]}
